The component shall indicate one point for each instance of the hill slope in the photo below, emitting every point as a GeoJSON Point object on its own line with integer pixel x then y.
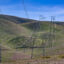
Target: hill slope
{"type": "Point", "coordinates": [9, 30]}
{"type": "Point", "coordinates": [15, 31]}
{"type": "Point", "coordinates": [15, 19]}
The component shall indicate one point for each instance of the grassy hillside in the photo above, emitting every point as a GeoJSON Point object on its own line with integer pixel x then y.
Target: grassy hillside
{"type": "Point", "coordinates": [16, 32]}
{"type": "Point", "coordinates": [10, 30]}
{"type": "Point", "coordinates": [42, 34]}
{"type": "Point", "coordinates": [15, 19]}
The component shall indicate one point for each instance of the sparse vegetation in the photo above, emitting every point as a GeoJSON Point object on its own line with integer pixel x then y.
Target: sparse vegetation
{"type": "Point", "coordinates": [61, 56]}
{"type": "Point", "coordinates": [17, 32]}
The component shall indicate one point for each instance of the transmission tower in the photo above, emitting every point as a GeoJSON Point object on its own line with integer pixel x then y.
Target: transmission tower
{"type": "Point", "coordinates": [0, 50]}
{"type": "Point", "coordinates": [52, 32]}
{"type": "Point", "coordinates": [34, 38]}
{"type": "Point", "coordinates": [36, 28]}
{"type": "Point", "coordinates": [43, 42]}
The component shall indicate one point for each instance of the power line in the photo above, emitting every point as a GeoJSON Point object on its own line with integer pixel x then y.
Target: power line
{"type": "Point", "coordinates": [0, 49]}
{"type": "Point", "coordinates": [26, 12]}
{"type": "Point", "coordinates": [41, 17]}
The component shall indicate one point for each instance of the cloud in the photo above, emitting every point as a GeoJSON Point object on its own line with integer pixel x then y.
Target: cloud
{"type": "Point", "coordinates": [34, 12]}
{"type": "Point", "coordinates": [47, 11]}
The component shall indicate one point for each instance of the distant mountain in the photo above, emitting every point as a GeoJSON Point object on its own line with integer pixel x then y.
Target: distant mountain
{"type": "Point", "coordinates": [15, 19]}
{"type": "Point", "coordinates": [60, 23]}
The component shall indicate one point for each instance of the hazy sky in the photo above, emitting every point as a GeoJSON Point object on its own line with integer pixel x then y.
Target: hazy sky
{"type": "Point", "coordinates": [35, 8]}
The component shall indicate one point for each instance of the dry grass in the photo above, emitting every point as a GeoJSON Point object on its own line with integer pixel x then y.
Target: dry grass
{"type": "Point", "coordinates": [54, 61]}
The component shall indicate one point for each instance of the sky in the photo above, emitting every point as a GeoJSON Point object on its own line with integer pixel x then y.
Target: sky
{"type": "Point", "coordinates": [36, 9]}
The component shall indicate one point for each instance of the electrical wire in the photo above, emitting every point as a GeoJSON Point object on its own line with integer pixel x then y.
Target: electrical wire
{"type": "Point", "coordinates": [26, 12]}
{"type": "Point", "coordinates": [0, 49]}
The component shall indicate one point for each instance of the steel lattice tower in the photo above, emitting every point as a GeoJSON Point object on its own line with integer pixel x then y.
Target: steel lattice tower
{"type": "Point", "coordinates": [0, 49]}
{"type": "Point", "coordinates": [36, 28]}
{"type": "Point", "coordinates": [52, 32]}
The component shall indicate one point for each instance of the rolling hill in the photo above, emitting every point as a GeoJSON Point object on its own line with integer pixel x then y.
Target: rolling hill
{"type": "Point", "coordinates": [9, 30]}
{"type": "Point", "coordinates": [16, 32]}
{"type": "Point", "coordinates": [15, 19]}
